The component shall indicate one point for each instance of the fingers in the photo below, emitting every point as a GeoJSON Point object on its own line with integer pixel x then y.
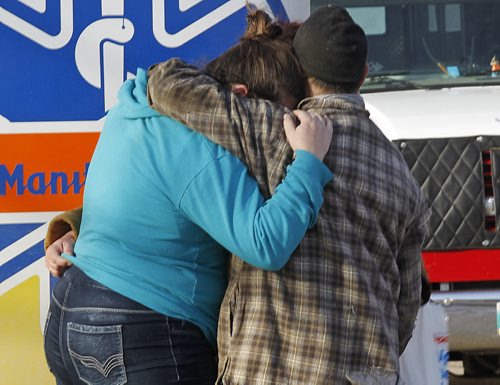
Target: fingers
{"type": "Point", "coordinates": [312, 120]}
{"type": "Point", "coordinates": [68, 243]}
{"type": "Point", "coordinates": [289, 124]}
{"type": "Point", "coordinates": [57, 265]}
{"type": "Point", "coordinates": [313, 134]}
{"type": "Point", "coordinates": [304, 116]}
{"type": "Point", "coordinates": [54, 262]}
{"type": "Point", "coordinates": [290, 131]}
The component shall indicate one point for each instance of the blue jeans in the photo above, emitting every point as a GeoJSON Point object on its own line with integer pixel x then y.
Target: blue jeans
{"type": "Point", "coordinates": [96, 336]}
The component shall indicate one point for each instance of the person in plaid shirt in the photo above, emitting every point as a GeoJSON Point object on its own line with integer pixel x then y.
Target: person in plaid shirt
{"type": "Point", "coordinates": [343, 309]}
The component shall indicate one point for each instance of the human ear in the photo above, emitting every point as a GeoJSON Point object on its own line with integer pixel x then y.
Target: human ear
{"type": "Point", "coordinates": [239, 89]}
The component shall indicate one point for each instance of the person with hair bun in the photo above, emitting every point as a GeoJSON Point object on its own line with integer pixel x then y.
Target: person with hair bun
{"type": "Point", "coordinates": [163, 205]}
{"type": "Point", "coordinates": [343, 308]}
{"type": "Point", "coordinates": [262, 65]}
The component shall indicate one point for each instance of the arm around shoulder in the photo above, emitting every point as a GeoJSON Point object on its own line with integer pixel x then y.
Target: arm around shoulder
{"type": "Point", "coordinates": [226, 202]}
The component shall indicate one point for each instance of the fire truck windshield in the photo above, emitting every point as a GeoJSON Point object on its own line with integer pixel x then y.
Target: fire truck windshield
{"type": "Point", "coordinates": [429, 44]}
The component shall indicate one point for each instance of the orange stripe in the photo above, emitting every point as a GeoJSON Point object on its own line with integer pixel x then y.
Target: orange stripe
{"type": "Point", "coordinates": [43, 172]}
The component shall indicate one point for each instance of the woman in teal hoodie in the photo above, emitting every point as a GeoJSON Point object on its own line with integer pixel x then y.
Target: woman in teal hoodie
{"type": "Point", "coordinates": [162, 207]}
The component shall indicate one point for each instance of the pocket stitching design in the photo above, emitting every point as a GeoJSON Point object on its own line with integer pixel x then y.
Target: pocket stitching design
{"type": "Point", "coordinates": [112, 362]}
{"type": "Point", "coordinates": [93, 363]}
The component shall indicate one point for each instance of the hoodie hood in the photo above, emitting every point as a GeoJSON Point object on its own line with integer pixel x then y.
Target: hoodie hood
{"type": "Point", "coordinates": [133, 98]}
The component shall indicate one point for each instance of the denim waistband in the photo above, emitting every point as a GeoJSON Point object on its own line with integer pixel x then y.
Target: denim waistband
{"type": "Point", "coordinates": [88, 294]}
{"type": "Point", "coordinates": [77, 292]}
{"type": "Point", "coordinates": [75, 274]}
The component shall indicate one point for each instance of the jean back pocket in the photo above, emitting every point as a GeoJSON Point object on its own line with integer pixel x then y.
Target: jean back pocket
{"type": "Point", "coordinates": [97, 353]}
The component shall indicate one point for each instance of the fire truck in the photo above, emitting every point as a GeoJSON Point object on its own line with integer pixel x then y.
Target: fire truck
{"type": "Point", "coordinates": [434, 90]}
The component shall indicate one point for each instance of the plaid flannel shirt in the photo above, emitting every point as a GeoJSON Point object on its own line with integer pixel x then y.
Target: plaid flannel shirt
{"type": "Point", "coordinates": [343, 308]}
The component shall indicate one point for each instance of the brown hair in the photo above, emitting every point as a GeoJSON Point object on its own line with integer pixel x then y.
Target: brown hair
{"type": "Point", "coordinates": [330, 88]}
{"type": "Point", "coordinates": [263, 60]}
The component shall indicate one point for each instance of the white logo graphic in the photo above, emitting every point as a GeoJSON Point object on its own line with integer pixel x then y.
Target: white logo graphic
{"type": "Point", "coordinates": [36, 34]}
{"type": "Point", "coordinates": [173, 40]}
{"type": "Point", "coordinates": [184, 5]}
{"type": "Point", "coordinates": [21, 245]}
{"type": "Point", "coordinates": [100, 51]}
{"type": "Point", "coordinates": [115, 31]}
{"type": "Point", "coordinates": [38, 5]}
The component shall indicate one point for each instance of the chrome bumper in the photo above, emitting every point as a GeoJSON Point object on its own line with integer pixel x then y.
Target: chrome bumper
{"type": "Point", "coordinates": [472, 319]}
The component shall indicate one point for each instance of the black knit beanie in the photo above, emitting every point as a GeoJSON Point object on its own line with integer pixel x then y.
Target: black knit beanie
{"type": "Point", "coordinates": [331, 46]}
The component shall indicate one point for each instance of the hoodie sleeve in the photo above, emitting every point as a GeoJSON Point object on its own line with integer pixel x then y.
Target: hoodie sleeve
{"type": "Point", "coordinates": [224, 201]}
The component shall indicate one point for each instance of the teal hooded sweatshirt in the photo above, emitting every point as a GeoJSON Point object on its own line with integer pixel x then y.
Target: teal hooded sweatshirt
{"type": "Point", "coordinates": [163, 206]}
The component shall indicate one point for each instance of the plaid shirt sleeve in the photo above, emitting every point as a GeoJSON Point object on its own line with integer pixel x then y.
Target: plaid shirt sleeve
{"type": "Point", "coordinates": [410, 264]}
{"type": "Point", "coordinates": [61, 224]}
{"type": "Point", "coordinates": [249, 128]}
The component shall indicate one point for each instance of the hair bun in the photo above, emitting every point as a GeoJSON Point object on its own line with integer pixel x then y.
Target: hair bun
{"type": "Point", "coordinates": [259, 23]}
